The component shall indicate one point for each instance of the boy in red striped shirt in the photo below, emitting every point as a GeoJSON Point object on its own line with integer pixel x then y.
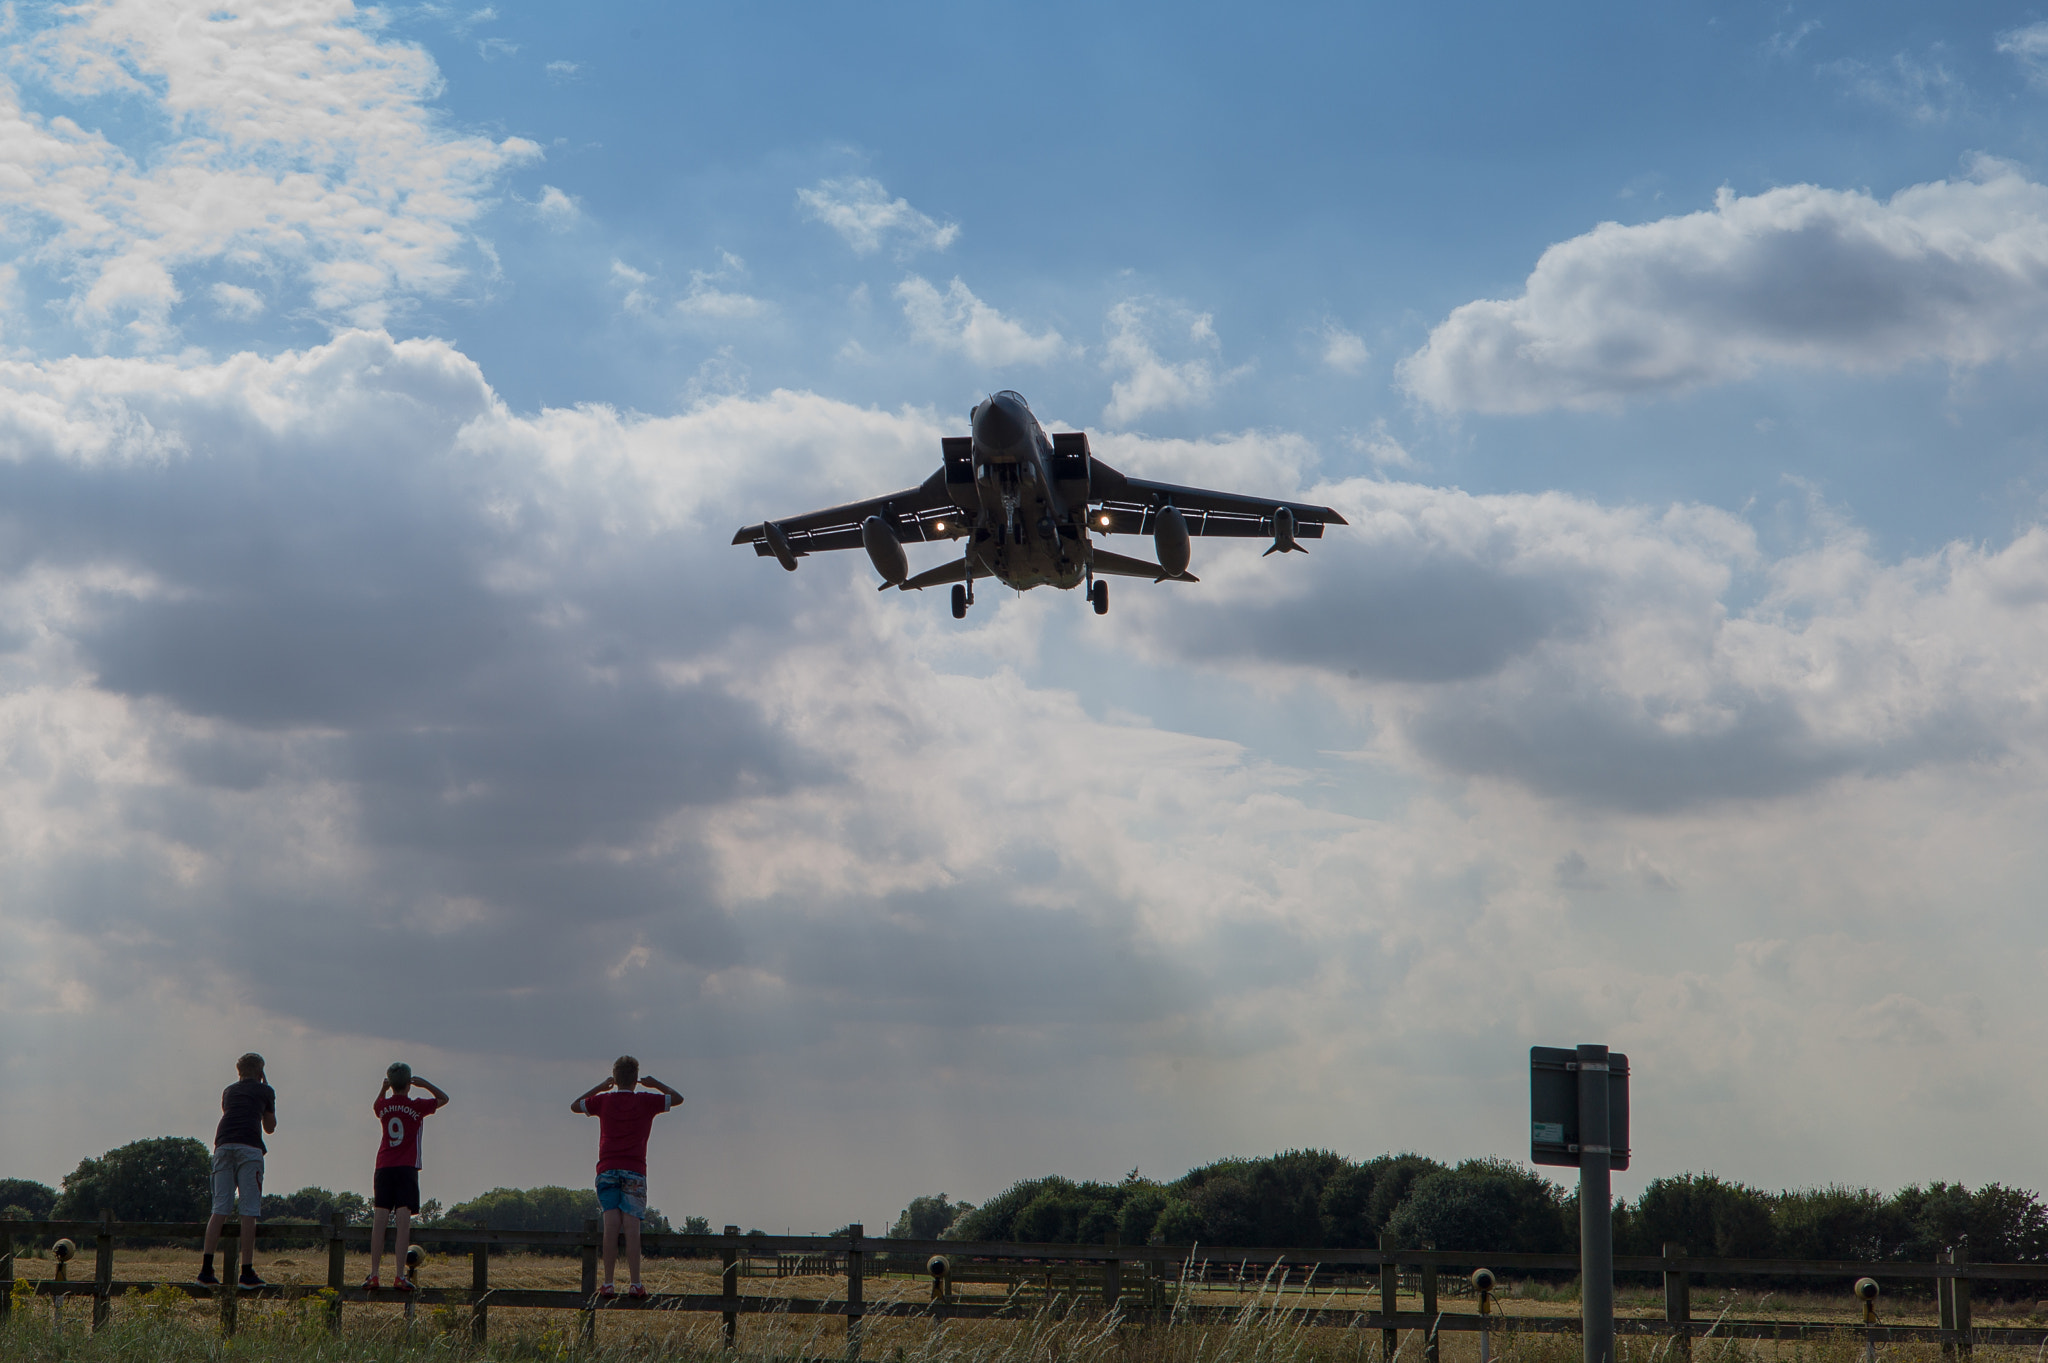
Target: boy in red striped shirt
{"type": "Point", "coordinates": [624, 1117]}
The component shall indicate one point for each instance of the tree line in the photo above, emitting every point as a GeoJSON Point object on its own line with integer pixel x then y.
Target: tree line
{"type": "Point", "coordinates": [1318, 1199]}
{"type": "Point", "coordinates": [1299, 1198]}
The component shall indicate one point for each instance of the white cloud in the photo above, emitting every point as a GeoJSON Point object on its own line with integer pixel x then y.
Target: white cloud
{"type": "Point", "coordinates": [1344, 351]}
{"type": "Point", "coordinates": [1380, 446]}
{"type": "Point", "coordinates": [958, 321]}
{"type": "Point", "coordinates": [708, 298]}
{"type": "Point", "coordinates": [562, 70]}
{"type": "Point", "coordinates": [2028, 46]}
{"type": "Point", "coordinates": [235, 302]}
{"type": "Point", "coordinates": [301, 139]}
{"type": "Point", "coordinates": [557, 211]}
{"type": "Point", "coordinates": [1151, 383]}
{"type": "Point", "coordinates": [491, 49]}
{"type": "Point", "coordinates": [447, 743]}
{"type": "Point", "coordinates": [862, 212]}
{"type": "Point", "coordinates": [1955, 271]}
{"type": "Point", "coordinates": [1919, 90]}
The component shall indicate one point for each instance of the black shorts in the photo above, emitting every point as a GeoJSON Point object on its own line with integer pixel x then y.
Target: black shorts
{"type": "Point", "coordinates": [392, 1188]}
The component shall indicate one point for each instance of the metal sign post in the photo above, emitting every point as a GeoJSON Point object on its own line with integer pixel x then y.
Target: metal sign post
{"type": "Point", "coordinates": [1578, 1113]}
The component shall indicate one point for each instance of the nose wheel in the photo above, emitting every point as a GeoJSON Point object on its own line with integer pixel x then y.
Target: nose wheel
{"type": "Point", "coordinates": [1098, 596]}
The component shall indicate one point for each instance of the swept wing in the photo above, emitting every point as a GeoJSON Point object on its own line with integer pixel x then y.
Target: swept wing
{"type": "Point", "coordinates": [1127, 506]}
{"type": "Point", "coordinates": [924, 512]}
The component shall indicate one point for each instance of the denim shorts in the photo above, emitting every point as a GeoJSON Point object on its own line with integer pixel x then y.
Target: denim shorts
{"type": "Point", "coordinates": [237, 1176]}
{"type": "Point", "coordinates": [622, 1190]}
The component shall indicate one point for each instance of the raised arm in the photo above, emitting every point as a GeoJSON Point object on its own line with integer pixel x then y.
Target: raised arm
{"type": "Point", "coordinates": [382, 1089]}
{"type": "Point", "coordinates": [440, 1094]}
{"type": "Point", "coordinates": [653, 1083]}
{"type": "Point", "coordinates": [592, 1092]}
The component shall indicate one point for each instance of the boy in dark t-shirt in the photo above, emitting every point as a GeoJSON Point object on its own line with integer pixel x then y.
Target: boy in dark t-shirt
{"type": "Point", "coordinates": [248, 1112]}
{"type": "Point", "coordinates": [395, 1191]}
{"type": "Point", "coordinates": [624, 1117]}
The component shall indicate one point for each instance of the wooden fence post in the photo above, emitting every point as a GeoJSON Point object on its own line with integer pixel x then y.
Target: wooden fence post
{"type": "Point", "coordinates": [1390, 1291]}
{"type": "Point", "coordinates": [1945, 1303]}
{"type": "Point", "coordinates": [337, 1269]}
{"type": "Point", "coordinates": [1678, 1304]}
{"type": "Point", "coordinates": [1429, 1342]}
{"type": "Point", "coordinates": [6, 1274]}
{"type": "Point", "coordinates": [1113, 1274]}
{"type": "Point", "coordinates": [103, 1270]}
{"type": "Point", "coordinates": [230, 1274]}
{"type": "Point", "coordinates": [592, 1229]}
{"type": "Point", "coordinates": [854, 1256]}
{"type": "Point", "coordinates": [729, 1288]}
{"type": "Point", "coordinates": [480, 1291]}
{"type": "Point", "coordinates": [1960, 1256]}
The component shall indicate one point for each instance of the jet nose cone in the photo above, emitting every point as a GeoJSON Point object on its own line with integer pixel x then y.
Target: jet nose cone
{"type": "Point", "coordinates": [996, 427]}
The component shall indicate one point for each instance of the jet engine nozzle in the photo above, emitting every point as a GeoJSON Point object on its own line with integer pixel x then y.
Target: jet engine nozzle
{"type": "Point", "coordinates": [779, 542]}
{"type": "Point", "coordinates": [885, 550]}
{"type": "Point", "coordinates": [1170, 538]}
{"type": "Point", "coordinates": [1283, 533]}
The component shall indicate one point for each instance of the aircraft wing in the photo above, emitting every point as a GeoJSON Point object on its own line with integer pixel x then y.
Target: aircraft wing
{"type": "Point", "coordinates": [1128, 504]}
{"type": "Point", "coordinates": [925, 512]}
{"type": "Point", "coordinates": [1116, 565]}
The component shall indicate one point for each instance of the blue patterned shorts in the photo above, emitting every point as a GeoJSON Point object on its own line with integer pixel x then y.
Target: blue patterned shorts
{"type": "Point", "coordinates": [622, 1190]}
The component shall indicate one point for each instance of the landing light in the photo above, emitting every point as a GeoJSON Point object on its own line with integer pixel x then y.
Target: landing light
{"type": "Point", "coordinates": [1105, 521]}
{"type": "Point", "coordinates": [939, 526]}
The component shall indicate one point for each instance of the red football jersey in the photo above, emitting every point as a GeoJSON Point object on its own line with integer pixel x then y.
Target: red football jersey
{"type": "Point", "coordinates": [402, 1119]}
{"type": "Point", "coordinates": [622, 1123]}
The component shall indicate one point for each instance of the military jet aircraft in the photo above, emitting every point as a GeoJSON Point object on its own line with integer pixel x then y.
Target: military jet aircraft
{"type": "Point", "coordinates": [1028, 504]}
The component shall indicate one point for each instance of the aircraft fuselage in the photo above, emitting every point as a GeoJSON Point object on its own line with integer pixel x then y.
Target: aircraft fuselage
{"type": "Point", "coordinates": [1027, 531]}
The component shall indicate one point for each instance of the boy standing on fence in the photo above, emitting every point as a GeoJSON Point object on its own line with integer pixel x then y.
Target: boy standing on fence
{"type": "Point", "coordinates": [624, 1117]}
{"type": "Point", "coordinates": [395, 1191]}
{"type": "Point", "coordinates": [248, 1112]}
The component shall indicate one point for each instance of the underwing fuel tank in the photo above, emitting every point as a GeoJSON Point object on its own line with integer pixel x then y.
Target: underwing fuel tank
{"type": "Point", "coordinates": [884, 549]}
{"type": "Point", "coordinates": [1170, 538]}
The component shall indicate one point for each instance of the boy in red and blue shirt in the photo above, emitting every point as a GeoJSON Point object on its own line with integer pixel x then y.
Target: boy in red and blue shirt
{"type": "Point", "coordinates": [395, 1192]}
{"type": "Point", "coordinates": [624, 1117]}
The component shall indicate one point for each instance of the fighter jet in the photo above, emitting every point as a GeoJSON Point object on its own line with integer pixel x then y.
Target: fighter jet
{"type": "Point", "coordinates": [1027, 506]}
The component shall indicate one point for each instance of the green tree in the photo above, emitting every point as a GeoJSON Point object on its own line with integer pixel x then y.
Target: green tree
{"type": "Point", "coordinates": [1706, 1215]}
{"type": "Point", "coordinates": [927, 1218]}
{"type": "Point", "coordinates": [37, 1199]}
{"type": "Point", "coordinates": [1392, 1178]}
{"type": "Point", "coordinates": [165, 1178]}
{"type": "Point", "coordinates": [546, 1208]}
{"type": "Point", "coordinates": [310, 1204]}
{"type": "Point", "coordinates": [696, 1225]}
{"type": "Point", "coordinates": [1482, 1204]}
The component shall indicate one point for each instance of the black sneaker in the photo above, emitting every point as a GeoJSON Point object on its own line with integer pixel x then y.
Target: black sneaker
{"type": "Point", "coordinates": [207, 1277]}
{"type": "Point", "coordinates": [249, 1278]}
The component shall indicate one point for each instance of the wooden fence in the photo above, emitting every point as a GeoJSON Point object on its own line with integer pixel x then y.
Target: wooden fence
{"type": "Point", "coordinates": [1104, 1267]}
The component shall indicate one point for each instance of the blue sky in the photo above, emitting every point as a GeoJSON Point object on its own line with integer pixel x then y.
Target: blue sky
{"type": "Point", "coordinates": [381, 388]}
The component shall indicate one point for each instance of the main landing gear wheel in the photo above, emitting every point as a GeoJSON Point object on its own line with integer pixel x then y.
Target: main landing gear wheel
{"type": "Point", "coordinates": [960, 602]}
{"type": "Point", "coordinates": [1099, 594]}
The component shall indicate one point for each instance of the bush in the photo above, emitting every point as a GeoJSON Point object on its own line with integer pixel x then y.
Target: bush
{"type": "Point", "coordinates": [547, 1208]}
{"type": "Point", "coordinates": [165, 1178]}
{"type": "Point", "coordinates": [927, 1218]}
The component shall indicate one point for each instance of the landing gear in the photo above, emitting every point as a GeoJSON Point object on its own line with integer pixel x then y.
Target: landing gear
{"type": "Point", "coordinates": [1099, 595]}
{"type": "Point", "coordinates": [959, 602]}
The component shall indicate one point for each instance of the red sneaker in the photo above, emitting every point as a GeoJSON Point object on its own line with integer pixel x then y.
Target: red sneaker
{"type": "Point", "coordinates": [401, 1283]}
{"type": "Point", "coordinates": [607, 1291]}
{"type": "Point", "coordinates": [636, 1290]}
{"type": "Point", "coordinates": [370, 1284]}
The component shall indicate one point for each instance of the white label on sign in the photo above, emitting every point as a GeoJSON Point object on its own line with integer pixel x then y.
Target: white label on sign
{"type": "Point", "coordinates": [1549, 1133]}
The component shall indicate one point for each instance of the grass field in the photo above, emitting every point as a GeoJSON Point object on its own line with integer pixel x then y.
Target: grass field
{"type": "Point", "coordinates": [172, 1327]}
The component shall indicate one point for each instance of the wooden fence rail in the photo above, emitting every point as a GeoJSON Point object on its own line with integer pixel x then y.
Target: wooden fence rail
{"type": "Point", "coordinates": [855, 1255]}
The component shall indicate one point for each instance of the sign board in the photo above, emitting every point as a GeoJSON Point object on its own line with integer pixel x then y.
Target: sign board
{"type": "Point", "coordinates": [1554, 1135]}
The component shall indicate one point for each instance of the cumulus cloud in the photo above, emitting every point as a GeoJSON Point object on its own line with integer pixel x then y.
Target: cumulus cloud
{"type": "Point", "coordinates": [557, 211]}
{"type": "Point", "coordinates": [1344, 351]}
{"type": "Point", "coordinates": [958, 321]}
{"type": "Point", "coordinates": [1918, 89]}
{"type": "Point", "coordinates": [1955, 272]}
{"type": "Point", "coordinates": [303, 142]}
{"type": "Point", "coordinates": [860, 210]}
{"type": "Point", "coordinates": [339, 700]}
{"type": "Point", "coordinates": [1150, 383]}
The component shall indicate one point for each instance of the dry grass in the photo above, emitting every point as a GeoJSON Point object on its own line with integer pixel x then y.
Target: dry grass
{"type": "Point", "coordinates": [169, 1326]}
